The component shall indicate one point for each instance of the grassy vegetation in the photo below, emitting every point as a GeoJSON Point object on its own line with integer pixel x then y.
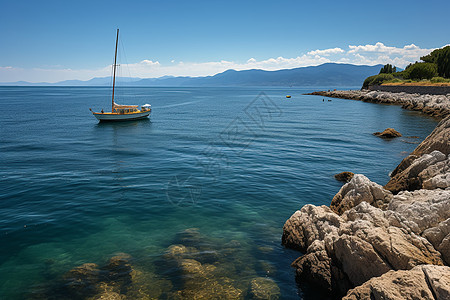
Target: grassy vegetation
{"type": "Point", "coordinates": [435, 81]}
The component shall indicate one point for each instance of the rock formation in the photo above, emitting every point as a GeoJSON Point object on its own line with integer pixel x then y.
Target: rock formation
{"type": "Point", "coordinates": [428, 171]}
{"type": "Point", "coordinates": [360, 189]}
{"type": "Point", "coordinates": [421, 282]}
{"type": "Point", "coordinates": [344, 176]}
{"type": "Point", "coordinates": [366, 241]}
{"type": "Point", "coordinates": [381, 245]}
{"type": "Point", "coordinates": [388, 133]}
{"type": "Point", "coordinates": [428, 165]}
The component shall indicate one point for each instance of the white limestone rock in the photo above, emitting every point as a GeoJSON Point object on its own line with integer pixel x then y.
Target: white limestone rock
{"type": "Point", "coordinates": [422, 282]}
{"type": "Point", "coordinates": [360, 189]}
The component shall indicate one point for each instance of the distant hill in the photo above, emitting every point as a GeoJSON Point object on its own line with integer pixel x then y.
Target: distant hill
{"type": "Point", "coordinates": [329, 74]}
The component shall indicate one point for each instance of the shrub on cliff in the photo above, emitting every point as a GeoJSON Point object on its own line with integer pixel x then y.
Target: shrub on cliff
{"type": "Point", "coordinates": [439, 80]}
{"type": "Point", "coordinates": [377, 79]}
{"type": "Point", "coordinates": [422, 71]}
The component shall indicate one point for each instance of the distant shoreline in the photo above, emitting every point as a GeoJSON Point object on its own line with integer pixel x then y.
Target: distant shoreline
{"type": "Point", "coordinates": [434, 105]}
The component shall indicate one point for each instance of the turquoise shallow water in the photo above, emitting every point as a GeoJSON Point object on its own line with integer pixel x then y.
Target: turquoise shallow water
{"type": "Point", "coordinates": [233, 162]}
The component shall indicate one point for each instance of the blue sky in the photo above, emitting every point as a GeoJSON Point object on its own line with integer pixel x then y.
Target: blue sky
{"type": "Point", "coordinates": [58, 40]}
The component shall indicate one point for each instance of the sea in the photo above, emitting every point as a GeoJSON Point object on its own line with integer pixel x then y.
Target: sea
{"type": "Point", "coordinates": [216, 170]}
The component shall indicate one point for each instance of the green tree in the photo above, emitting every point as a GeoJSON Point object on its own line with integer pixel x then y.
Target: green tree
{"type": "Point", "coordinates": [440, 57]}
{"type": "Point", "coordinates": [423, 70]}
{"type": "Point", "coordinates": [388, 69]}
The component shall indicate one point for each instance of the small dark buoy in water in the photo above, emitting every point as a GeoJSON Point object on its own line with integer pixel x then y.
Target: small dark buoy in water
{"type": "Point", "coordinates": [323, 100]}
{"type": "Point", "coordinates": [288, 96]}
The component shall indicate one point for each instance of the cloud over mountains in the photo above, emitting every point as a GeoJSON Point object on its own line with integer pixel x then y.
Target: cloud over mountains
{"type": "Point", "coordinates": [355, 54]}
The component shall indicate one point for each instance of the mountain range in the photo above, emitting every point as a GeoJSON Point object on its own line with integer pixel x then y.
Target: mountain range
{"type": "Point", "coordinates": [329, 74]}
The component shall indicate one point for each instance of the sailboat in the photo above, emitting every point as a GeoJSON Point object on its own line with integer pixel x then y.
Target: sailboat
{"type": "Point", "coordinates": [122, 112]}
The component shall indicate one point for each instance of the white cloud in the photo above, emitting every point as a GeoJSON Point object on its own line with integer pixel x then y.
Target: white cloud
{"type": "Point", "coordinates": [382, 54]}
{"type": "Point", "coordinates": [356, 54]}
{"type": "Point", "coordinates": [408, 50]}
{"type": "Point", "coordinates": [326, 52]}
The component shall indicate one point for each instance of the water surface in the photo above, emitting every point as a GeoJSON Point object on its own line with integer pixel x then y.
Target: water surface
{"type": "Point", "coordinates": [234, 163]}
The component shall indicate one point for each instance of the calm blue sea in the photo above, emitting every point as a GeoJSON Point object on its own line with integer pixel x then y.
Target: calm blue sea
{"type": "Point", "coordinates": [234, 163]}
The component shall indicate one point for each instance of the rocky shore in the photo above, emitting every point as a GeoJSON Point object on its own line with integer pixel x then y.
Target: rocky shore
{"type": "Point", "coordinates": [376, 242]}
{"type": "Point", "coordinates": [433, 105]}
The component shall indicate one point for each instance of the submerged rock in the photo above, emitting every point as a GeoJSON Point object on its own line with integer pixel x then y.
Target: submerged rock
{"type": "Point", "coordinates": [200, 281]}
{"type": "Point", "coordinates": [147, 285]}
{"type": "Point", "coordinates": [190, 237]}
{"type": "Point", "coordinates": [264, 288]}
{"type": "Point", "coordinates": [89, 281]}
{"type": "Point", "coordinates": [107, 293]}
{"type": "Point", "coordinates": [202, 268]}
{"type": "Point", "coordinates": [421, 282]}
{"type": "Point", "coordinates": [344, 176]}
{"type": "Point", "coordinates": [199, 272]}
{"type": "Point", "coordinates": [388, 133]}
{"type": "Point", "coordinates": [119, 271]}
{"type": "Point", "coordinates": [82, 281]}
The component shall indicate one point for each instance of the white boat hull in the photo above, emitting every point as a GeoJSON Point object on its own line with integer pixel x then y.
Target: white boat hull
{"type": "Point", "coordinates": [110, 117]}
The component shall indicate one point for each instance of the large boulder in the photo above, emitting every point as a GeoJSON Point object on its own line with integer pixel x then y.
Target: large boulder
{"type": "Point", "coordinates": [309, 224]}
{"type": "Point", "coordinates": [438, 140]}
{"type": "Point", "coordinates": [422, 282]}
{"type": "Point", "coordinates": [364, 242]}
{"type": "Point", "coordinates": [420, 210]}
{"type": "Point", "coordinates": [428, 171]}
{"type": "Point", "coordinates": [439, 237]}
{"type": "Point", "coordinates": [396, 246]}
{"type": "Point", "coordinates": [360, 189]}
{"type": "Point", "coordinates": [314, 266]}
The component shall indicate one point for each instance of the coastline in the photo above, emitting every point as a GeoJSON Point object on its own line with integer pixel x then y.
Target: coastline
{"type": "Point", "coordinates": [434, 105]}
{"type": "Point", "coordinates": [390, 242]}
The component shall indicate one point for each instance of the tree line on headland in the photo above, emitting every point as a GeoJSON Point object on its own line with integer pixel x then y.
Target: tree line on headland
{"type": "Point", "coordinates": [434, 68]}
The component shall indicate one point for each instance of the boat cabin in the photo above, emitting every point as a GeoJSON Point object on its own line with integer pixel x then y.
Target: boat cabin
{"type": "Point", "coordinates": [146, 107]}
{"type": "Point", "coordinates": [125, 109]}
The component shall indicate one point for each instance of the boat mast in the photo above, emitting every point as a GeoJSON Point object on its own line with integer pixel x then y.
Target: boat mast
{"type": "Point", "coordinates": [114, 72]}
